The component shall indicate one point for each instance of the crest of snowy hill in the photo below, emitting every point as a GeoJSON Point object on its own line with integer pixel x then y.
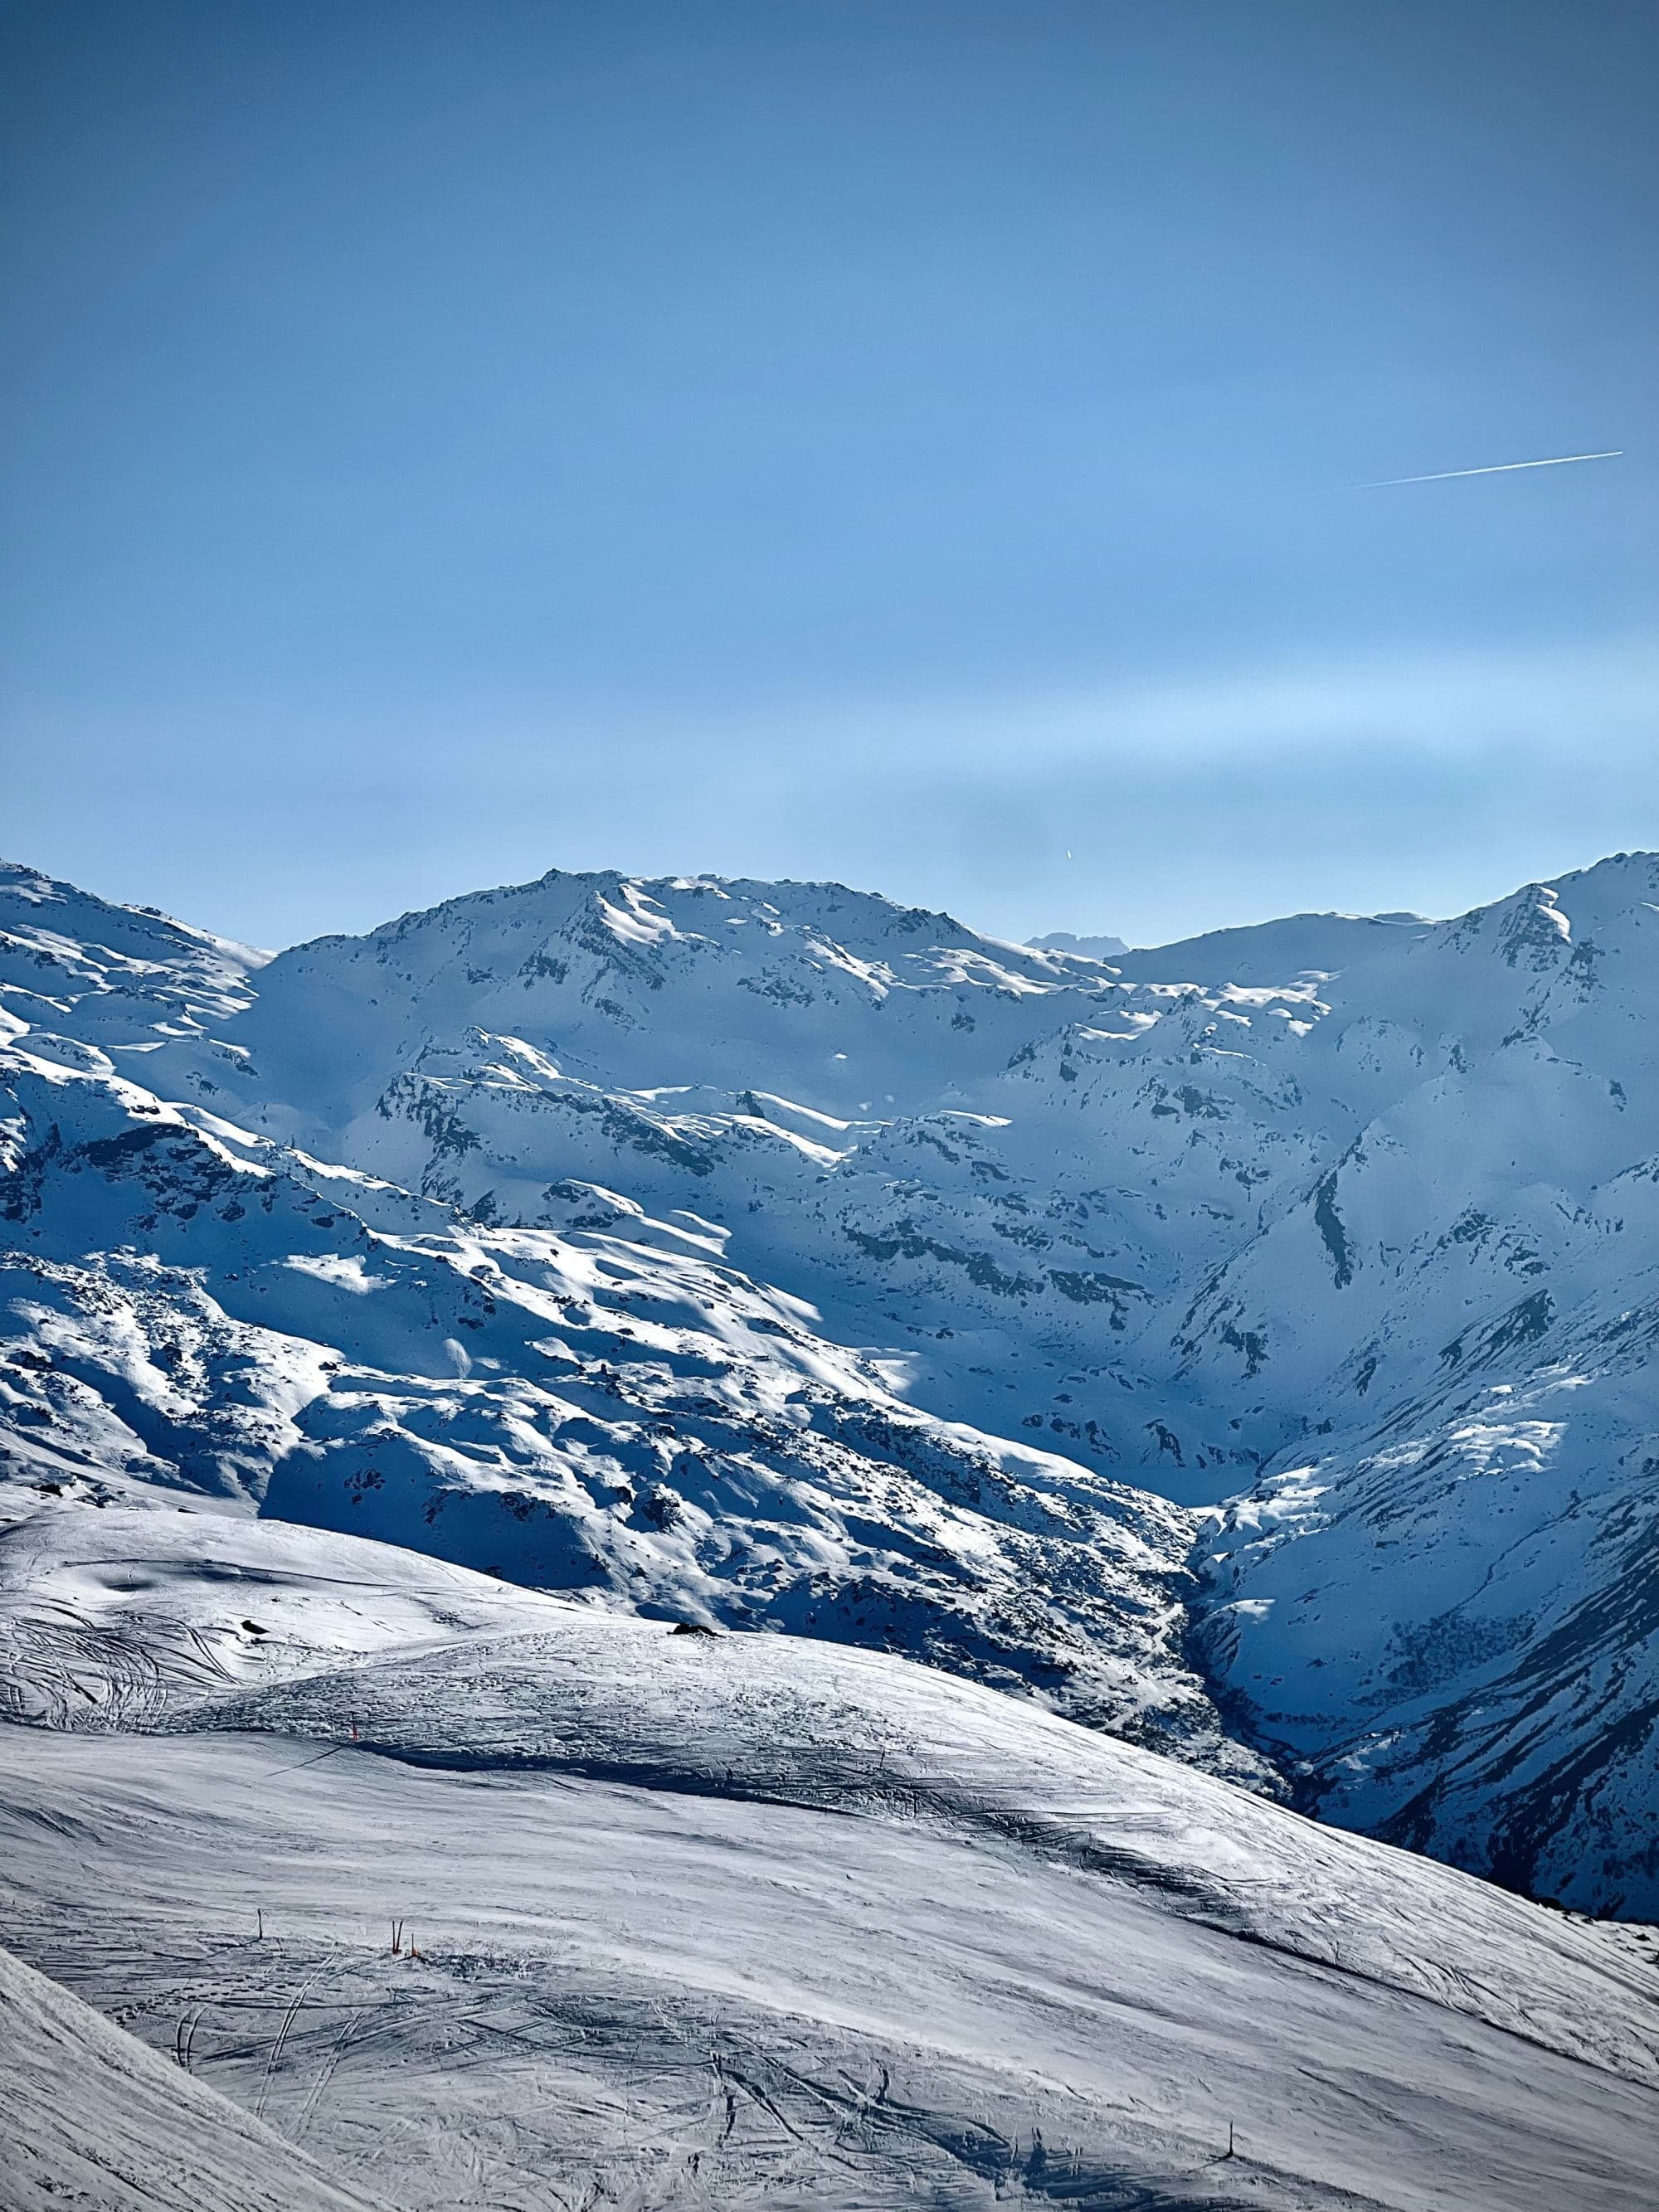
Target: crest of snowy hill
{"type": "Point", "coordinates": [776, 1253]}
{"type": "Point", "coordinates": [651, 1917]}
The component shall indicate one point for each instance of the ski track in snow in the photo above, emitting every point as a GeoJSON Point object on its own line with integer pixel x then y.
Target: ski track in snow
{"type": "Point", "coordinates": [95, 2119]}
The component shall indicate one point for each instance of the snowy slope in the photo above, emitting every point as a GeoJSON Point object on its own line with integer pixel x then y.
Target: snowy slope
{"type": "Point", "coordinates": [1299, 948]}
{"type": "Point", "coordinates": [913, 1271]}
{"type": "Point", "coordinates": [95, 2119]}
{"type": "Point", "coordinates": [692, 1920]}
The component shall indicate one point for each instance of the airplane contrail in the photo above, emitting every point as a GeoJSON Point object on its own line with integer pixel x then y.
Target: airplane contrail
{"type": "Point", "coordinates": [1498, 469]}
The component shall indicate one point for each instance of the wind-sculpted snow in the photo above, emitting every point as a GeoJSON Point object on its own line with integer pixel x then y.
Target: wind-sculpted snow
{"type": "Point", "coordinates": [1343, 1229]}
{"type": "Point", "coordinates": [499, 1897]}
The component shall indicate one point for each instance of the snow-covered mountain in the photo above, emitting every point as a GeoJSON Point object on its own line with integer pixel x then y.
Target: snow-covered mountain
{"type": "Point", "coordinates": [1091, 948]}
{"type": "Point", "coordinates": [776, 1256]}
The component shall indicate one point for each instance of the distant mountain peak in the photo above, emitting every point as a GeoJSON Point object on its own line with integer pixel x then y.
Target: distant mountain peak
{"type": "Point", "coordinates": [1082, 948]}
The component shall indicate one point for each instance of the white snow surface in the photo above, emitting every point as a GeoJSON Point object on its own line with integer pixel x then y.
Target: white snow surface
{"type": "Point", "coordinates": [711, 1921]}
{"type": "Point", "coordinates": [781, 1257]}
{"type": "Point", "coordinates": [96, 2120]}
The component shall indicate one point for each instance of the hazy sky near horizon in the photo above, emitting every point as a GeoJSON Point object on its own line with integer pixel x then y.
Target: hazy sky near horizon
{"type": "Point", "coordinates": [899, 440]}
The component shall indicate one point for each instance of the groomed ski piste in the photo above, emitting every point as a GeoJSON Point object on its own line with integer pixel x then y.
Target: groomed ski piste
{"type": "Point", "coordinates": [402, 1885]}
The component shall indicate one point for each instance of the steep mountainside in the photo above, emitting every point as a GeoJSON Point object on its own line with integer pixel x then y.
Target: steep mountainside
{"type": "Point", "coordinates": [777, 1253]}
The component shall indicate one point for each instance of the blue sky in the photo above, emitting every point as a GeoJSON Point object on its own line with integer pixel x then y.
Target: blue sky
{"type": "Point", "coordinates": [891, 442]}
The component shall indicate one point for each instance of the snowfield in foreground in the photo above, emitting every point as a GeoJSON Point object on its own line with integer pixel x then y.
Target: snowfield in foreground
{"type": "Point", "coordinates": [702, 1921]}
